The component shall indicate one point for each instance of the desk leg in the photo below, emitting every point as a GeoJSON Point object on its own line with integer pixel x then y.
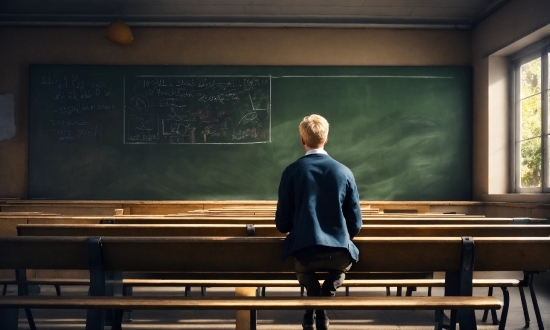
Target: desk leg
{"type": "Point", "coordinates": [243, 317]}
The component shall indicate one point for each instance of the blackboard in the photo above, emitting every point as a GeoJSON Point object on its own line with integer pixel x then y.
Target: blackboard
{"type": "Point", "coordinates": [227, 132]}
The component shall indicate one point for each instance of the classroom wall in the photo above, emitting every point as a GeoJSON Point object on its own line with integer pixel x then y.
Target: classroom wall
{"type": "Point", "coordinates": [512, 27]}
{"type": "Point", "coordinates": [21, 46]}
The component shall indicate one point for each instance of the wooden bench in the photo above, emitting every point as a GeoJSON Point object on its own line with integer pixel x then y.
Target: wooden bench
{"type": "Point", "coordinates": [271, 231]}
{"type": "Point", "coordinates": [262, 230]}
{"type": "Point", "coordinates": [454, 256]}
{"type": "Point", "coordinates": [270, 211]}
{"type": "Point", "coordinates": [194, 219]}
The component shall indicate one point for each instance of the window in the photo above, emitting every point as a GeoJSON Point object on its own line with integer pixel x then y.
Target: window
{"type": "Point", "coordinates": [530, 76]}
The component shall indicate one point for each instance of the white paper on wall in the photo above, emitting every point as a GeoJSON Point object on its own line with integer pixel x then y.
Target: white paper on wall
{"type": "Point", "coordinates": [7, 117]}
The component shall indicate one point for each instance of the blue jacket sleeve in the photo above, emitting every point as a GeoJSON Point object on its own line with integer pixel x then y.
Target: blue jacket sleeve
{"type": "Point", "coordinates": [285, 205]}
{"type": "Point", "coordinates": [352, 209]}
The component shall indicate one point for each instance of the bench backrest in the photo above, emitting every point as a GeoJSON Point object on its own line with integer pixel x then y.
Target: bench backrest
{"type": "Point", "coordinates": [259, 255]}
{"type": "Point", "coordinates": [44, 253]}
{"type": "Point", "coordinates": [152, 230]}
{"type": "Point", "coordinates": [217, 254]}
{"type": "Point", "coordinates": [245, 254]}
{"type": "Point", "coordinates": [366, 221]}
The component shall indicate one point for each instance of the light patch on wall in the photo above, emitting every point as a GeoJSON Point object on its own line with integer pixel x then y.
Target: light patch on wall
{"type": "Point", "coordinates": [7, 117]}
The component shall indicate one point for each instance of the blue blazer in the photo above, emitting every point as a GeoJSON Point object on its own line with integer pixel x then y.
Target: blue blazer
{"type": "Point", "coordinates": [318, 205]}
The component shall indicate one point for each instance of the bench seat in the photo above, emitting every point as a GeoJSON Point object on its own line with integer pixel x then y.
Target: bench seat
{"type": "Point", "coordinates": [252, 303]}
{"type": "Point", "coordinates": [498, 282]}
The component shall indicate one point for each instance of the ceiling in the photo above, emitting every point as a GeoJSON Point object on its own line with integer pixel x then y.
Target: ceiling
{"type": "Point", "coordinates": [462, 14]}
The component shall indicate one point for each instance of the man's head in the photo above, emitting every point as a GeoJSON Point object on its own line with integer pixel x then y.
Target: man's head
{"type": "Point", "coordinates": [314, 131]}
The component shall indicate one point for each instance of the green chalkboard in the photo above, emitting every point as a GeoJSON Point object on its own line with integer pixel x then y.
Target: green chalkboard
{"type": "Point", "coordinates": [227, 132]}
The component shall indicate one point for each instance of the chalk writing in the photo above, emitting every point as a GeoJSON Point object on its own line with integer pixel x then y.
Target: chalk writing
{"type": "Point", "coordinates": [75, 105]}
{"type": "Point", "coordinates": [195, 109]}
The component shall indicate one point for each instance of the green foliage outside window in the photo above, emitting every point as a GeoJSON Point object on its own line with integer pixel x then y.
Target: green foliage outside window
{"type": "Point", "coordinates": [530, 148]}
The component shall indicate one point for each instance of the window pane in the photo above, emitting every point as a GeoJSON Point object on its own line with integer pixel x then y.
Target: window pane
{"type": "Point", "coordinates": [530, 78]}
{"type": "Point", "coordinates": [531, 163]}
{"type": "Point", "coordinates": [531, 119]}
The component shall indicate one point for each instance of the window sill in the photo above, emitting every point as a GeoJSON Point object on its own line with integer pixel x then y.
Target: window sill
{"type": "Point", "coordinates": [518, 198]}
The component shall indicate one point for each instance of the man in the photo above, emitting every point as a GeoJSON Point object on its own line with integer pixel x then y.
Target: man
{"type": "Point", "coordinates": [319, 208]}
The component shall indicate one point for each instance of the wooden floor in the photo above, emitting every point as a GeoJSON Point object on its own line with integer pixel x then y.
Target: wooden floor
{"type": "Point", "coordinates": [283, 320]}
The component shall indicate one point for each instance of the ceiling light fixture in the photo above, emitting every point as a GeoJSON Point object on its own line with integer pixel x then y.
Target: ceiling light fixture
{"type": "Point", "coordinates": [119, 33]}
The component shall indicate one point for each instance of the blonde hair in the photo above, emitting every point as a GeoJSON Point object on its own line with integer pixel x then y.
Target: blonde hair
{"type": "Point", "coordinates": [314, 131]}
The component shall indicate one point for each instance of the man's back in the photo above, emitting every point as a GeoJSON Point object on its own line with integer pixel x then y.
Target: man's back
{"type": "Point", "coordinates": [318, 204]}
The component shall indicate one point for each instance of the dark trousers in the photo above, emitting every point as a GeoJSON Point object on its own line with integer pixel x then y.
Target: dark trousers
{"type": "Point", "coordinates": [335, 264]}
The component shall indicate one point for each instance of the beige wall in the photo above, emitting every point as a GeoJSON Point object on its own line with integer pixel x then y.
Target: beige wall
{"type": "Point", "coordinates": [515, 25]}
{"type": "Point", "coordinates": [203, 46]}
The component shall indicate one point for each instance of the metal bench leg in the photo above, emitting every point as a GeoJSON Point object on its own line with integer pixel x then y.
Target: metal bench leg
{"type": "Point", "coordinates": [263, 291]}
{"type": "Point", "coordinates": [187, 290]}
{"type": "Point", "coordinates": [504, 314]}
{"type": "Point", "coordinates": [493, 312]}
{"type": "Point", "coordinates": [5, 289]}
{"type": "Point", "coordinates": [32, 326]}
{"type": "Point", "coordinates": [95, 318]}
{"type": "Point", "coordinates": [23, 290]}
{"type": "Point", "coordinates": [388, 293]}
{"type": "Point", "coordinates": [460, 284]}
{"type": "Point", "coordinates": [486, 312]}
{"type": "Point", "coordinates": [535, 304]}
{"type": "Point", "coordinates": [347, 290]}
{"type": "Point", "coordinates": [128, 291]}
{"type": "Point", "coordinates": [203, 290]}
{"type": "Point", "coordinates": [253, 319]}
{"type": "Point", "coordinates": [410, 290]}
{"type": "Point", "coordinates": [524, 306]}
{"type": "Point", "coordinates": [57, 289]}
{"type": "Point", "coordinates": [438, 318]}
{"type": "Point", "coordinates": [452, 320]}
{"type": "Point", "coordinates": [494, 317]}
{"type": "Point", "coordinates": [116, 322]}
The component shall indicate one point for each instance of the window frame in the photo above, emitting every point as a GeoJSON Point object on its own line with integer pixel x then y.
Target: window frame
{"type": "Point", "coordinates": [539, 50]}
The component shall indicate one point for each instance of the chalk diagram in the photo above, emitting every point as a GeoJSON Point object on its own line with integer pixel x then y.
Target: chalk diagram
{"type": "Point", "coordinates": [198, 110]}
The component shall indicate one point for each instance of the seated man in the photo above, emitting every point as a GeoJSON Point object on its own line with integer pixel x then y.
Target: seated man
{"type": "Point", "coordinates": [318, 205]}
